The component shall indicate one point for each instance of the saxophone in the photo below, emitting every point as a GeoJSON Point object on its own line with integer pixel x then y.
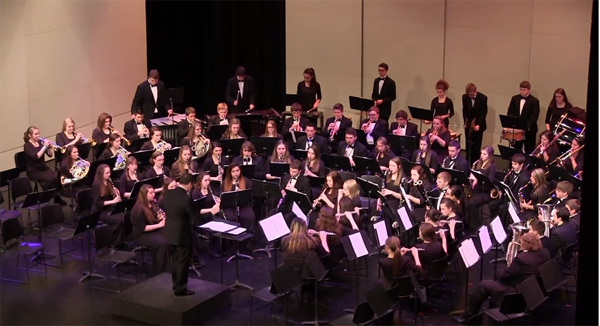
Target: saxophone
{"type": "Point", "coordinates": [418, 160]}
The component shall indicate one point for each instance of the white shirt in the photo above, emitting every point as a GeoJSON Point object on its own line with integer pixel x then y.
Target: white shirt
{"type": "Point", "coordinates": [247, 162]}
{"type": "Point", "coordinates": [154, 90]}
{"type": "Point", "coordinates": [309, 143]}
{"type": "Point", "coordinates": [473, 102]}
{"type": "Point", "coordinates": [293, 182]}
{"type": "Point", "coordinates": [223, 121]}
{"type": "Point", "coordinates": [241, 87]}
{"type": "Point", "coordinates": [381, 81]}
{"type": "Point", "coordinates": [442, 193]}
{"type": "Point", "coordinates": [402, 130]}
{"type": "Point", "coordinates": [349, 151]}
{"type": "Point", "coordinates": [370, 139]}
{"type": "Point", "coordinates": [521, 105]}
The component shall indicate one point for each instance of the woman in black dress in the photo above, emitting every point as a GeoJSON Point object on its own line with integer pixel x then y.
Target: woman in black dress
{"type": "Point", "coordinates": [234, 181]}
{"type": "Point", "coordinates": [215, 162]}
{"type": "Point", "coordinates": [70, 185]}
{"type": "Point", "coordinates": [36, 149]}
{"type": "Point", "coordinates": [418, 201]}
{"type": "Point", "coordinates": [271, 130]}
{"type": "Point", "coordinates": [439, 138]}
{"type": "Point", "coordinates": [155, 142]}
{"type": "Point", "coordinates": [148, 221]}
{"type": "Point", "coordinates": [129, 177]}
{"type": "Point", "coordinates": [328, 197]}
{"type": "Point", "coordinates": [397, 263]}
{"type": "Point", "coordinates": [209, 208]}
{"type": "Point", "coordinates": [102, 131]}
{"type": "Point", "coordinates": [481, 192]}
{"type": "Point", "coordinates": [184, 163]}
{"type": "Point", "coordinates": [425, 155]}
{"type": "Point", "coordinates": [574, 163]}
{"type": "Point", "coordinates": [104, 196]}
{"type": "Point", "coordinates": [68, 136]}
{"type": "Point", "coordinates": [281, 154]}
{"type": "Point", "coordinates": [536, 196]}
{"type": "Point", "coordinates": [441, 105]}
{"type": "Point", "coordinates": [393, 182]}
{"type": "Point", "coordinates": [157, 169]}
{"type": "Point", "coordinates": [308, 94]}
{"type": "Point", "coordinates": [349, 201]}
{"type": "Point", "coordinates": [557, 107]}
{"type": "Point", "coordinates": [382, 153]}
{"type": "Point", "coordinates": [312, 166]}
{"type": "Point", "coordinates": [298, 244]}
{"type": "Point", "coordinates": [545, 152]}
{"type": "Point", "coordinates": [433, 248]}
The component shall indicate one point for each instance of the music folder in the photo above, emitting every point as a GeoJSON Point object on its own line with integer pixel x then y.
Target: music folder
{"type": "Point", "coordinates": [336, 162]}
{"type": "Point", "coordinates": [404, 219]}
{"type": "Point", "coordinates": [401, 145]}
{"type": "Point", "coordinates": [367, 164]}
{"type": "Point", "coordinates": [299, 154]}
{"type": "Point", "coordinates": [420, 114]}
{"type": "Point", "coordinates": [484, 239]}
{"type": "Point", "coordinates": [274, 227]}
{"type": "Point", "coordinates": [248, 170]}
{"type": "Point", "coordinates": [300, 198]}
{"type": "Point", "coordinates": [505, 189]}
{"type": "Point", "coordinates": [231, 147]}
{"type": "Point", "coordinates": [381, 231]}
{"type": "Point", "coordinates": [299, 213]}
{"type": "Point", "coordinates": [296, 135]}
{"type": "Point", "coordinates": [360, 103]}
{"type": "Point", "coordinates": [123, 206]}
{"type": "Point", "coordinates": [512, 211]}
{"type": "Point", "coordinates": [357, 245]}
{"type": "Point", "coordinates": [216, 132]}
{"type": "Point", "coordinates": [468, 253]}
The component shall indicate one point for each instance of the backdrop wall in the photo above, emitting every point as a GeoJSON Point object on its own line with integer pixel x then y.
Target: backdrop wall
{"type": "Point", "coordinates": [494, 44]}
{"type": "Point", "coordinates": [63, 59]}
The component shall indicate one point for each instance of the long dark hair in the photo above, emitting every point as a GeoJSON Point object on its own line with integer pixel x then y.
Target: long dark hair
{"type": "Point", "coordinates": [311, 73]}
{"type": "Point", "coordinates": [149, 208]}
{"type": "Point", "coordinates": [561, 92]}
{"type": "Point", "coordinates": [228, 182]}
{"type": "Point", "coordinates": [99, 181]}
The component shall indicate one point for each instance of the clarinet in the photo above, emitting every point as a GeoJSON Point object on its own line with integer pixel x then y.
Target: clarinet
{"type": "Point", "coordinates": [418, 160]}
{"type": "Point", "coordinates": [444, 162]}
{"type": "Point", "coordinates": [282, 198]}
{"type": "Point", "coordinates": [235, 184]}
{"type": "Point", "coordinates": [216, 200]}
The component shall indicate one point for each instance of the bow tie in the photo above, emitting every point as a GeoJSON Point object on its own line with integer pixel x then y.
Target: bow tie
{"type": "Point", "coordinates": [403, 126]}
{"type": "Point", "coordinates": [350, 146]}
{"type": "Point", "coordinates": [524, 98]}
{"type": "Point", "coordinates": [309, 140]}
{"type": "Point", "coordinates": [240, 81]}
{"type": "Point", "coordinates": [381, 78]}
{"type": "Point", "coordinates": [153, 85]}
{"type": "Point", "coordinates": [295, 178]}
{"type": "Point", "coordinates": [221, 119]}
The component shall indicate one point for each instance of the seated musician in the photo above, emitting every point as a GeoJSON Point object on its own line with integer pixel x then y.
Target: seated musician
{"type": "Point", "coordinates": [148, 221]}
{"type": "Point", "coordinates": [36, 149]}
{"type": "Point", "coordinates": [417, 199]}
{"type": "Point", "coordinates": [574, 163]}
{"type": "Point", "coordinates": [168, 184]}
{"type": "Point", "coordinates": [294, 181]}
{"type": "Point", "coordinates": [215, 162]}
{"type": "Point", "coordinates": [546, 151]}
{"type": "Point", "coordinates": [312, 139]}
{"type": "Point", "coordinates": [564, 189]}
{"type": "Point", "coordinates": [248, 157]}
{"type": "Point", "coordinates": [439, 138]}
{"type": "Point", "coordinates": [524, 265]}
{"type": "Point", "coordinates": [312, 166]}
{"type": "Point", "coordinates": [155, 142]}
{"type": "Point", "coordinates": [298, 244]}
{"type": "Point", "coordinates": [382, 153]}
{"type": "Point", "coordinates": [184, 163]}
{"type": "Point", "coordinates": [391, 190]}
{"type": "Point", "coordinates": [271, 130]}
{"type": "Point", "coordinates": [138, 127]}
{"type": "Point", "coordinates": [433, 249]}
{"type": "Point", "coordinates": [424, 155]}
{"type": "Point", "coordinates": [104, 196]}
{"type": "Point", "coordinates": [335, 123]}
{"type": "Point", "coordinates": [71, 186]}
{"type": "Point", "coordinates": [481, 192]}
{"type": "Point", "coordinates": [574, 207]}
{"type": "Point", "coordinates": [374, 127]}
{"type": "Point", "coordinates": [129, 177]}
{"type": "Point", "coordinates": [456, 194]}
{"type": "Point", "coordinates": [538, 228]}
{"type": "Point", "coordinates": [281, 154]}
{"type": "Point", "coordinates": [332, 229]}
{"type": "Point", "coordinates": [433, 216]}
{"type": "Point", "coordinates": [563, 233]}
{"type": "Point", "coordinates": [194, 135]}
{"type": "Point", "coordinates": [112, 149]}
{"type": "Point", "coordinates": [103, 130]}
{"type": "Point", "coordinates": [515, 179]}
{"type": "Point", "coordinates": [295, 123]}
{"type": "Point", "coordinates": [454, 160]}
{"type": "Point", "coordinates": [234, 181]}
{"type": "Point", "coordinates": [68, 136]}
{"type": "Point", "coordinates": [328, 197]}
{"type": "Point", "coordinates": [184, 126]}
{"type": "Point", "coordinates": [404, 128]}
{"type": "Point", "coordinates": [443, 184]}
{"type": "Point", "coordinates": [449, 217]}
{"type": "Point", "coordinates": [348, 200]}
{"type": "Point", "coordinates": [157, 168]}
{"type": "Point", "coordinates": [350, 147]}
{"type": "Point", "coordinates": [221, 118]}
{"type": "Point", "coordinates": [234, 131]}
{"type": "Point", "coordinates": [397, 263]}
{"type": "Point", "coordinates": [537, 195]}
{"type": "Point", "coordinates": [209, 209]}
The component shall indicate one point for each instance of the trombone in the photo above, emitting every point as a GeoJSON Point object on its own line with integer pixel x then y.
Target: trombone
{"type": "Point", "coordinates": [538, 155]}
{"type": "Point", "coordinates": [565, 156]}
{"type": "Point", "coordinates": [114, 131]}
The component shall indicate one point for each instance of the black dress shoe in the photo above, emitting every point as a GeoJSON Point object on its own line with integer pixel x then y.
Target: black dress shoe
{"type": "Point", "coordinates": [462, 319]}
{"type": "Point", "coordinates": [184, 293]}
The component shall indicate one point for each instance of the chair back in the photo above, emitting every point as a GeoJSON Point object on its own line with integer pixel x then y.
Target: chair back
{"type": "Point", "coordinates": [85, 201]}
{"type": "Point", "coordinates": [566, 254]}
{"type": "Point", "coordinates": [435, 271]}
{"type": "Point", "coordinates": [346, 175]}
{"type": "Point", "coordinates": [285, 279]}
{"type": "Point", "coordinates": [379, 300]}
{"type": "Point", "coordinates": [20, 186]}
{"type": "Point", "coordinates": [402, 287]}
{"type": "Point", "coordinates": [21, 160]}
{"type": "Point", "coordinates": [52, 215]}
{"type": "Point", "coordinates": [313, 269]}
{"type": "Point", "coordinates": [475, 320]}
{"type": "Point", "coordinates": [337, 253]}
{"type": "Point", "coordinates": [551, 274]}
{"type": "Point", "coordinates": [532, 293]}
{"type": "Point", "coordinates": [12, 231]}
{"type": "Point", "coordinates": [512, 303]}
{"type": "Point", "coordinates": [363, 313]}
{"type": "Point", "coordinates": [103, 237]}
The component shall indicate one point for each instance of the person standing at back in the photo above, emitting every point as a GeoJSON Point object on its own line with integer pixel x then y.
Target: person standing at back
{"type": "Point", "coordinates": [527, 107]}
{"type": "Point", "coordinates": [151, 97]}
{"type": "Point", "coordinates": [240, 92]}
{"type": "Point", "coordinates": [178, 232]}
{"type": "Point", "coordinates": [384, 92]}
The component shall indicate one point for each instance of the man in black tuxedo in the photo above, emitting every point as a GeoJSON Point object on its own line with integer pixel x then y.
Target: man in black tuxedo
{"type": "Point", "coordinates": [351, 147]}
{"type": "Point", "coordinates": [539, 228]}
{"type": "Point", "coordinates": [527, 107]}
{"type": "Point", "coordinates": [374, 127]}
{"type": "Point", "coordinates": [402, 127]}
{"type": "Point", "coordinates": [517, 178]}
{"type": "Point", "coordinates": [221, 118]}
{"type": "Point", "coordinates": [296, 123]}
{"type": "Point", "coordinates": [336, 123]}
{"type": "Point", "coordinates": [183, 126]}
{"type": "Point", "coordinates": [474, 109]}
{"type": "Point", "coordinates": [178, 208]}
{"type": "Point", "coordinates": [564, 232]}
{"type": "Point", "coordinates": [151, 97]}
{"type": "Point", "coordinates": [524, 265]}
{"type": "Point", "coordinates": [240, 92]}
{"type": "Point", "coordinates": [574, 207]}
{"type": "Point", "coordinates": [384, 92]}
{"type": "Point", "coordinates": [454, 160]}
{"type": "Point", "coordinates": [137, 128]}
{"type": "Point", "coordinates": [312, 139]}
{"type": "Point", "coordinates": [296, 182]}
{"type": "Point", "coordinates": [564, 189]}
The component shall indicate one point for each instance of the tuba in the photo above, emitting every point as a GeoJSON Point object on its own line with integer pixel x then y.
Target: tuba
{"type": "Point", "coordinates": [546, 213]}
{"type": "Point", "coordinates": [121, 155]}
{"type": "Point", "coordinates": [79, 170]}
{"type": "Point", "coordinates": [514, 245]}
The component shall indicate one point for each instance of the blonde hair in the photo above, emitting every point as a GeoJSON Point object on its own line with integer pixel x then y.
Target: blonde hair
{"type": "Point", "coordinates": [222, 106]}
{"type": "Point", "coordinates": [66, 121]}
{"type": "Point", "coordinates": [353, 188]}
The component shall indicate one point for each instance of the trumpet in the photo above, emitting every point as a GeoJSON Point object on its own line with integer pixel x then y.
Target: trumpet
{"type": "Point", "coordinates": [85, 140]}
{"type": "Point", "coordinates": [333, 131]}
{"type": "Point", "coordinates": [434, 132]}
{"type": "Point", "coordinates": [366, 126]}
{"type": "Point", "coordinates": [162, 146]}
{"type": "Point", "coordinates": [114, 131]}
{"type": "Point", "coordinates": [538, 148]}
{"type": "Point", "coordinates": [54, 146]}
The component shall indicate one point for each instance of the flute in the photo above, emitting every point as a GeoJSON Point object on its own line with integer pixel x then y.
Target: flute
{"type": "Point", "coordinates": [326, 232]}
{"type": "Point", "coordinates": [447, 221]}
{"type": "Point", "coordinates": [344, 213]}
{"type": "Point", "coordinates": [409, 249]}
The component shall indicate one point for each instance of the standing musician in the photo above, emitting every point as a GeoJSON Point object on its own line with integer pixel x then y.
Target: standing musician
{"type": "Point", "coordinates": [209, 209]}
{"type": "Point", "coordinates": [474, 110]}
{"type": "Point", "coordinates": [138, 127]}
{"type": "Point", "coordinates": [312, 139]}
{"type": "Point", "coordinates": [104, 195]}
{"type": "Point", "coordinates": [574, 162]}
{"type": "Point", "coordinates": [558, 106]}
{"type": "Point", "coordinates": [417, 199]}
{"type": "Point", "coordinates": [481, 192]}
{"type": "Point", "coordinates": [296, 123]}
{"type": "Point", "coordinates": [36, 148]}
{"type": "Point", "coordinates": [547, 149]}
{"type": "Point", "coordinates": [240, 91]}
{"type": "Point", "coordinates": [527, 107]}
{"type": "Point", "coordinates": [537, 195]}
{"type": "Point", "coordinates": [70, 160]}
{"type": "Point", "coordinates": [312, 166]}
{"type": "Point", "coordinates": [515, 179]}
{"type": "Point", "coordinates": [350, 147]}
{"type": "Point", "coordinates": [184, 163]}
{"type": "Point", "coordinates": [328, 197]}
{"type": "Point", "coordinates": [234, 131]}
{"type": "Point", "coordinates": [308, 93]}
{"type": "Point", "coordinates": [391, 188]}
{"type": "Point", "coordinates": [157, 168]}
{"type": "Point", "coordinates": [184, 126]}
{"type": "Point", "coordinates": [454, 161]}
{"type": "Point", "coordinates": [281, 154]}
{"type": "Point", "coordinates": [382, 153]}
{"type": "Point", "coordinates": [221, 118]}
{"type": "Point", "coordinates": [402, 127]}
{"type": "Point", "coordinates": [271, 130]}
{"type": "Point", "coordinates": [441, 105]}
{"type": "Point", "coordinates": [68, 136]}
{"type": "Point", "coordinates": [234, 181]}
{"type": "Point", "coordinates": [129, 178]}
{"type": "Point", "coordinates": [103, 130]}
{"type": "Point", "coordinates": [215, 162]}
{"type": "Point", "coordinates": [384, 92]}
{"type": "Point", "coordinates": [178, 207]}
{"type": "Point", "coordinates": [335, 123]}
{"type": "Point", "coordinates": [374, 127]}
{"type": "Point", "coordinates": [148, 228]}
{"type": "Point", "coordinates": [151, 97]}
{"type": "Point", "coordinates": [425, 155]}
{"type": "Point", "coordinates": [248, 157]}
{"type": "Point", "coordinates": [155, 142]}
{"type": "Point", "coordinates": [439, 138]}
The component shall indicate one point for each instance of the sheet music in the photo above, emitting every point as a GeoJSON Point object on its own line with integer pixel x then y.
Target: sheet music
{"type": "Point", "coordinates": [484, 239]}
{"type": "Point", "coordinates": [274, 227]}
{"type": "Point", "coordinates": [294, 136]}
{"type": "Point", "coordinates": [469, 253]}
{"type": "Point", "coordinates": [408, 202]}
{"type": "Point", "coordinates": [218, 226]}
{"type": "Point", "coordinates": [370, 139]}
{"type": "Point", "coordinates": [513, 213]}
{"type": "Point", "coordinates": [404, 218]}
{"type": "Point", "coordinates": [358, 245]}
{"type": "Point", "coordinates": [299, 213]}
{"type": "Point", "coordinates": [381, 232]}
{"type": "Point", "coordinates": [236, 231]}
{"type": "Point", "coordinates": [498, 230]}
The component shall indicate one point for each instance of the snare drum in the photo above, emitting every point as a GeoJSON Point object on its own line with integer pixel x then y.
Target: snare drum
{"type": "Point", "coordinates": [511, 134]}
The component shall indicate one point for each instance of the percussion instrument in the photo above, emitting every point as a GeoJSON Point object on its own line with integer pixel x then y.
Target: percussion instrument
{"type": "Point", "coordinates": [569, 128]}
{"type": "Point", "coordinates": [512, 135]}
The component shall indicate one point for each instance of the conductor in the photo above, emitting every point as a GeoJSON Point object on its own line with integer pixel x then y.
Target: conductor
{"type": "Point", "coordinates": [178, 207]}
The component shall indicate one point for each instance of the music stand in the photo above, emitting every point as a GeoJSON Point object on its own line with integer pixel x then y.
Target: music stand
{"type": "Point", "coordinates": [513, 123]}
{"type": "Point", "coordinates": [401, 145]}
{"type": "Point", "coordinates": [380, 230]}
{"type": "Point", "coordinates": [367, 164]}
{"type": "Point", "coordinates": [268, 191]}
{"type": "Point", "coordinates": [371, 189]}
{"type": "Point", "coordinates": [153, 182]}
{"type": "Point", "coordinates": [279, 169]}
{"type": "Point", "coordinates": [470, 257]}
{"type": "Point", "coordinates": [216, 132]}
{"type": "Point", "coordinates": [421, 114]}
{"type": "Point", "coordinates": [505, 189]}
{"type": "Point", "coordinates": [136, 144]}
{"type": "Point", "coordinates": [143, 158]}
{"type": "Point", "coordinates": [405, 219]}
{"type": "Point", "coordinates": [458, 177]}
{"type": "Point", "coordinates": [482, 180]}
{"type": "Point", "coordinates": [218, 227]}
{"type": "Point", "coordinates": [84, 150]}
{"type": "Point", "coordinates": [537, 162]}
{"type": "Point", "coordinates": [248, 170]}
{"type": "Point", "coordinates": [264, 145]}
{"type": "Point", "coordinates": [176, 95]}
{"type": "Point", "coordinates": [407, 166]}
{"type": "Point", "coordinates": [274, 227]}
{"type": "Point", "coordinates": [361, 137]}
{"type": "Point", "coordinates": [123, 206]}
{"type": "Point", "coordinates": [95, 164]}
{"type": "Point", "coordinates": [357, 245]}
{"type": "Point", "coordinates": [317, 182]}
{"type": "Point", "coordinates": [88, 223]}
{"type": "Point", "coordinates": [500, 236]}
{"type": "Point", "coordinates": [99, 148]}
{"type": "Point", "coordinates": [296, 135]}
{"type": "Point", "coordinates": [246, 121]}
{"type": "Point", "coordinates": [234, 200]}
{"type": "Point", "coordinates": [6, 176]}
{"type": "Point", "coordinates": [560, 174]}
{"type": "Point", "coordinates": [299, 154]}
{"type": "Point", "coordinates": [171, 156]}
{"type": "Point", "coordinates": [360, 104]}
{"type": "Point", "coordinates": [301, 199]}
{"type": "Point", "coordinates": [231, 147]}
{"type": "Point", "coordinates": [336, 162]}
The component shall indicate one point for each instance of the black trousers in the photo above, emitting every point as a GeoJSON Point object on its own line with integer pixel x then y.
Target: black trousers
{"type": "Point", "coordinates": [46, 178]}
{"type": "Point", "coordinates": [474, 140]}
{"type": "Point", "coordinates": [529, 142]}
{"type": "Point", "coordinates": [487, 288]}
{"type": "Point", "coordinates": [474, 205]}
{"type": "Point", "coordinates": [246, 218]}
{"type": "Point", "coordinates": [180, 262]}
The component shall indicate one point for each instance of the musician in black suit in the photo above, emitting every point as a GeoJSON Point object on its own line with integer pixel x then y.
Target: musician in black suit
{"type": "Point", "coordinates": [240, 91]}
{"type": "Point", "coordinates": [336, 123]}
{"type": "Point", "coordinates": [296, 123]}
{"type": "Point", "coordinates": [177, 205]}
{"type": "Point", "coordinates": [248, 157]}
{"type": "Point", "coordinates": [574, 207]}
{"type": "Point", "coordinates": [515, 179]}
{"type": "Point", "coordinates": [294, 181]}
{"type": "Point", "coordinates": [137, 128]}
{"type": "Point", "coordinates": [183, 126]}
{"type": "Point", "coordinates": [351, 147]}
{"type": "Point", "coordinates": [454, 160]}
{"type": "Point", "coordinates": [524, 265]}
{"type": "Point", "coordinates": [222, 117]}
{"type": "Point", "coordinates": [384, 92]}
{"type": "Point", "coordinates": [527, 107]}
{"type": "Point", "coordinates": [151, 96]}
{"type": "Point", "coordinates": [312, 139]}
{"type": "Point", "coordinates": [539, 228]}
{"type": "Point", "coordinates": [402, 127]}
{"type": "Point", "coordinates": [474, 110]}
{"type": "Point", "coordinates": [374, 127]}
{"type": "Point", "coordinates": [564, 232]}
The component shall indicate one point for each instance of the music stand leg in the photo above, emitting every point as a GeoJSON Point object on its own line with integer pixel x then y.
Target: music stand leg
{"type": "Point", "coordinates": [267, 249]}
{"type": "Point", "coordinates": [237, 282]}
{"type": "Point", "coordinates": [221, 258]}
{"type": "Point", "coordinates": [316, 321]}
{"type": "Point", "coordinates": [87, 275]}
{"type": "Point", "coordinates": [44, 257]}
{"type": "Point", "coordinates": [460, 312]}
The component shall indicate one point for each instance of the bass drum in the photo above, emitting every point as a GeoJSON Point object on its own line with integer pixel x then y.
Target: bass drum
{"type": "Point", "coordinates": [572, 127]}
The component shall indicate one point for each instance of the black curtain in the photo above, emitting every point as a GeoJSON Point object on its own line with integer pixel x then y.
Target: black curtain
{"type": "Point", "coordinates": [199, 44]}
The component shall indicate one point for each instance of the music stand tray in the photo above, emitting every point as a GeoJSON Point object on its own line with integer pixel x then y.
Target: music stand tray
{"type": "Point", "coordinates": [299, 154]}
{"type": "Point", "coordinates": [153, 182]}
{"type": "Point", "coordinates": [505, 189]}
{"type": "Point", "coordinates": [171, 156]}
{"type": "Point", "coordinates": [264, 145]}
{"type": "Point", "coordinates": [508, 152]}
{"type": "Point", "coordinates": [279, 169]}
{"type": "Point", "coordinates": [513, 122]}
{"type": "Point", "coordinates": [481, 178]}
{"type": "Point", "coordinates": [143, 157]}
{"type": "Point", "coordinates": [266, 189]}
{"type": "Point", "coordinates": [366, 164]}
{"type": "Point", "coordinates": [234, 199]}
{"type": "Point", "coordinates": [420, 113]}
{"type": "Point", "coordinates": [295, 135]}
{"type": "Point", "coordinates": [301, 199]}
{"type": "Point", "coordinates": [560, 174]}
{"type": "Point", "coordinates": [336, 162]}
{"type": "Point", "coordinates": [248, 170]}
{"type": "Point", "coordinates": [536, 161]}
{"type": "Point", "coordinates": [123, 206]}
{"type": "Point", "coordinates": [231, 147]}
{"type": "Point", "coordinates": [95, 164]}
{"type": "Point", "coordinates": [317, 182]}
{"type": "Point", "coordinates": [407, 166]}
{"type": "Point", "coordinates": [360, 103]}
